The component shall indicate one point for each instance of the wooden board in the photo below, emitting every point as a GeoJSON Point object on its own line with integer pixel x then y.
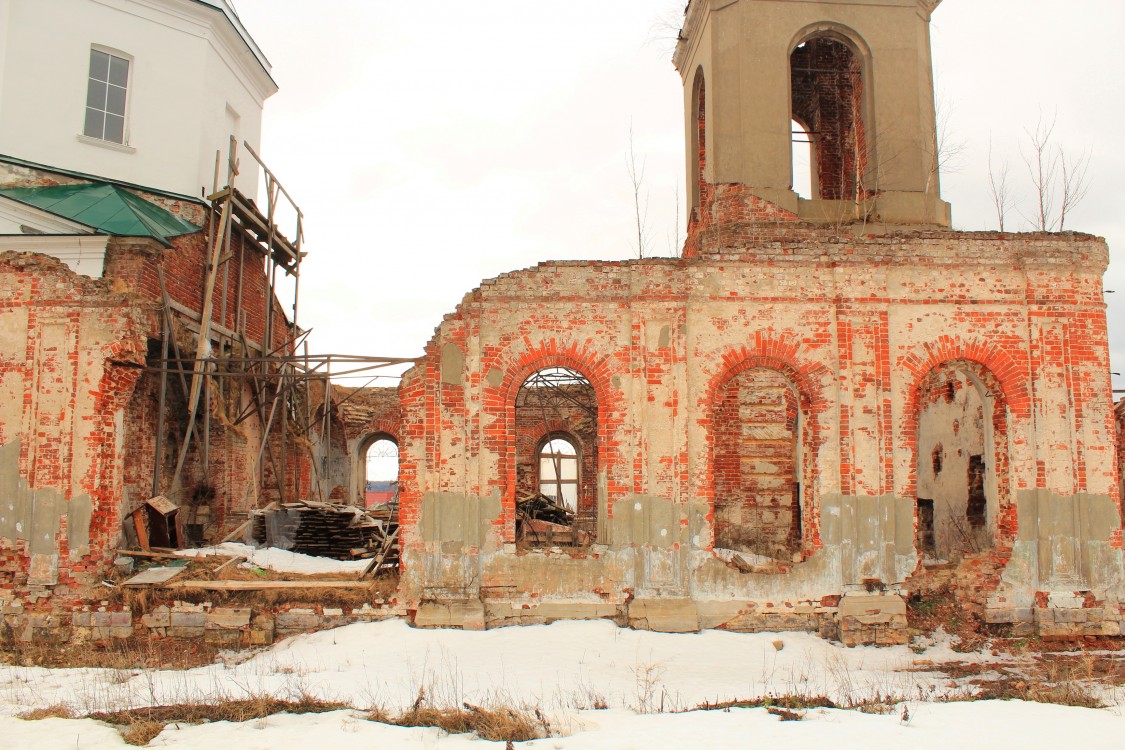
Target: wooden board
{"type": "Point", "coordinates": [263, 585]}
{"type": "Point", "coordinates": [154, 576]}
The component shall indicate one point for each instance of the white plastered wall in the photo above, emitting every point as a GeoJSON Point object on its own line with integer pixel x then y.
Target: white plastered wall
{"type": "Point", "coordinates": [186, 67]}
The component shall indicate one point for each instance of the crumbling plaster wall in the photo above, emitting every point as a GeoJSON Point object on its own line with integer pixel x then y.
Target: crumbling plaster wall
{"type": "Point", "coordinates": [66, 346]}
{"type": "Point", "coordinates": [78, 417]}
{"type": "Point", "coordinates": [858, 323]}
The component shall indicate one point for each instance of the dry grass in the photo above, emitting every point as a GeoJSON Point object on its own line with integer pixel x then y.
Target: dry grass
{"type": "Point", "coordinates": [137, 652]}
{"type": "Point", "coordinates": [788, 702]}
{"type": "Point", "coordinates": [140, 725]}
{"type": "Point", "coordinates": [57, 711]}
{"type": "Point", "coordinates": [141, 732]}
{"type": "Point", "coordinates": [496, 725]}
{"type": "Point", "coordinates": [1066, 682]}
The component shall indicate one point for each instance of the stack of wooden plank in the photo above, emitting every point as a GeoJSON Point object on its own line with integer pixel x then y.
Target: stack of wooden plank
{"type": "Point", "coordinates": [341, 532]}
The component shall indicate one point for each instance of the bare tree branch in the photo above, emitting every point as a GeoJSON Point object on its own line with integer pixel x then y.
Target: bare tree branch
{"type": "Point", "coordinates": [1042, 166]}
{"type": "Point", "coordinates": [998, 187]}
{"type": "Point", "coordinates": [947, 149]}
{"type": "Point", "coordinates": [1075, 184]}
{"type": "Point", "coordinates": [636, 181]}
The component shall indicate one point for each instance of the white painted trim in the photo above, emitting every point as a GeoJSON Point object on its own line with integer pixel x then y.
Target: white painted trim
{"type": "Point", "coordinates": [38, 219]}
{"type": "Point", "coordinates": [89, 140]}
{"type": "Point", "coordinates": [82, 254]}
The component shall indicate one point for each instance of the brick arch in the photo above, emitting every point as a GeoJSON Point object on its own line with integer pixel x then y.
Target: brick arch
{"type": "Point", "coordinates": [500, 402]}
{"type": "Point", "coordinates": [811, 380]}
{"type": "Point", "coordinates": [532, 441]}
{"type": "Point", "coordinates": [1010, 375]}
{"type": "Point", "coordinates": [376, 430]}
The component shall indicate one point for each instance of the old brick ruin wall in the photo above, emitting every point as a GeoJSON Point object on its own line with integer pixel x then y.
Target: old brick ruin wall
{"type": "Point", "coordinates": [80, 399]}
{"type": "Point", "coordinates": [993, 346]}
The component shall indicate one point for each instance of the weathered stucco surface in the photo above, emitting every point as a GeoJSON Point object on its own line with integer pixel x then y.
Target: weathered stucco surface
{"type": "Point", "coordinates": [67, 341]}
{"type": "Point", "coordinates": [861, 327]}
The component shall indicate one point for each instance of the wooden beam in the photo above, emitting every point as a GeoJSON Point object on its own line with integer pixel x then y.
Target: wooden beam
{"type": "Point", "coordinates": [263, 585]}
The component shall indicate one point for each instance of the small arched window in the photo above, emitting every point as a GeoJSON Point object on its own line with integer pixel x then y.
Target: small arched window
{"type": "Point", "coordinates": [558, 471]}
{"type": "Point", "coordinates": [380, 485]}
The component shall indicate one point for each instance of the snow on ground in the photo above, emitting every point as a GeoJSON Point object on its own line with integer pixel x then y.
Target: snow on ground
{"type": "Point", "coordinates": [282, 561]}
{"type": "Point", "coordinates": [566, 669]}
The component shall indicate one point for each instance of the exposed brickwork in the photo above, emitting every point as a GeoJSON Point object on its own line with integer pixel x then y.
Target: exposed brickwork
{"type": "Point", "coordinates": [827, 95]}
{"type": "Point", "coordinates": [757, 498]}
{"type": "Point", "coordinates": [861, 329]}
{"type": "Point", "coordinates": [79, 414]}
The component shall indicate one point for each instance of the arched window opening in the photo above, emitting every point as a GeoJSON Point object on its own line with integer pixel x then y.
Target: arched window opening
{"type": "Point", "coordinates": [757, 465]}
{"type": "Point", "coordinates": [827, 96]}
{"type": "Point", "coordinates": [699, 140]}
{"type": "Point", "coordinates": [803, 178]}
{"type": "Point", "coordinates": [556, 460]}
{"type": "Point", "coordinates": [381, 473]}
{"type": "Point", "coordinates": [956, 469]}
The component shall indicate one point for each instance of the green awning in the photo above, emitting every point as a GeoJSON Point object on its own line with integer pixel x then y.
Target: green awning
{"type": "Point", "coordinates": [107, 209]}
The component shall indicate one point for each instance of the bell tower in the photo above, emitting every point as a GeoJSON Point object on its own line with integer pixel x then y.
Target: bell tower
{"type": "Point", "coordinates": [852, 77]}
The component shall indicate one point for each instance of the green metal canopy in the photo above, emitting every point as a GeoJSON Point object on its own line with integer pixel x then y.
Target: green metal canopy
{"type": "Point", "coordinates": [107, 209]}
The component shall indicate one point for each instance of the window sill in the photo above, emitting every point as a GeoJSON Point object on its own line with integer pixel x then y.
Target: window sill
{"type": "Point", "coordinates": [106, 144]}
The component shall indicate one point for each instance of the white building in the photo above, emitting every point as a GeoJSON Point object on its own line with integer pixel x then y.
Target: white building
{"type": "Point", "coordinates": [139, 91]}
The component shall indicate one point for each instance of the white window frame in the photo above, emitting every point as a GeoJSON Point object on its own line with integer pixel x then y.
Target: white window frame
{"type": "Point", "coordinates": [101, 140]}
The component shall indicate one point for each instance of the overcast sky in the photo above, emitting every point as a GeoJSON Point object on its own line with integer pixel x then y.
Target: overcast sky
{"type": "Point", "coordinates": [435, 143]}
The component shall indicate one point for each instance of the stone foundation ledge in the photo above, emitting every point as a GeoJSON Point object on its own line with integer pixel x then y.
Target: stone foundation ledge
{"type": "Point", "coordinates": [852, 618]}
{"type": "Point", "coordinates": [233, 626]}
{"type": "Point", "coordinates": [1057, 615]}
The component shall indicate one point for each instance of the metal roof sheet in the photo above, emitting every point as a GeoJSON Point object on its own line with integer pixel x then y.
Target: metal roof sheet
{"type": "Point", "coordinates": [107, 209]}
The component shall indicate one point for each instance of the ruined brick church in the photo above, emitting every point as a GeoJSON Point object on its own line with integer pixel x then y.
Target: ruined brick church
{"type": "Point", "coordinates": [825, 406]}
{"type": "Point", "coordinates": [819, 402]}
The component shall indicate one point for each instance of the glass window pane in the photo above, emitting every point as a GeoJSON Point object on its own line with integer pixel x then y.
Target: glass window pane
{"type": "Point", "coordinates": [569, 468]}
{"type": "Point", "coordinates": [95, 123]}
{"type": "Point", "coordinates": [570, 496]}
{"type": "Point", "coordinates": [115, 101]}
{"type": "Point", "coordinates": [115, 128]}
{"type": "Point", "coordinates": [559, 445]}
{"type": "Point", "coordinates": [118, 71]}
{"type": "Point", "coordinates": [547, 470]}
{"type": "Point", "coordinates": [99, 65]}
{"type": "Point", "coordinates": [95, 94]}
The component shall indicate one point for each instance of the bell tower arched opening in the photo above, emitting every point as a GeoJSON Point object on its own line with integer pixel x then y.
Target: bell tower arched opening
{"type": "Point", "coordinates": [856, 75]}
{"type": "Point", "coordinates": [827, 92]}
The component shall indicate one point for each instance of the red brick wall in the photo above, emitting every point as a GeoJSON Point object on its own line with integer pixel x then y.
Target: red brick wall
{"type": "Point", "coordinates": [756, 484]}
{"type": "Point", "coordinates": [66, 377]}
{"type": "Point", "coordinates": [854, 323]}
{"type": "Point", "coordinates": [86, 420]}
